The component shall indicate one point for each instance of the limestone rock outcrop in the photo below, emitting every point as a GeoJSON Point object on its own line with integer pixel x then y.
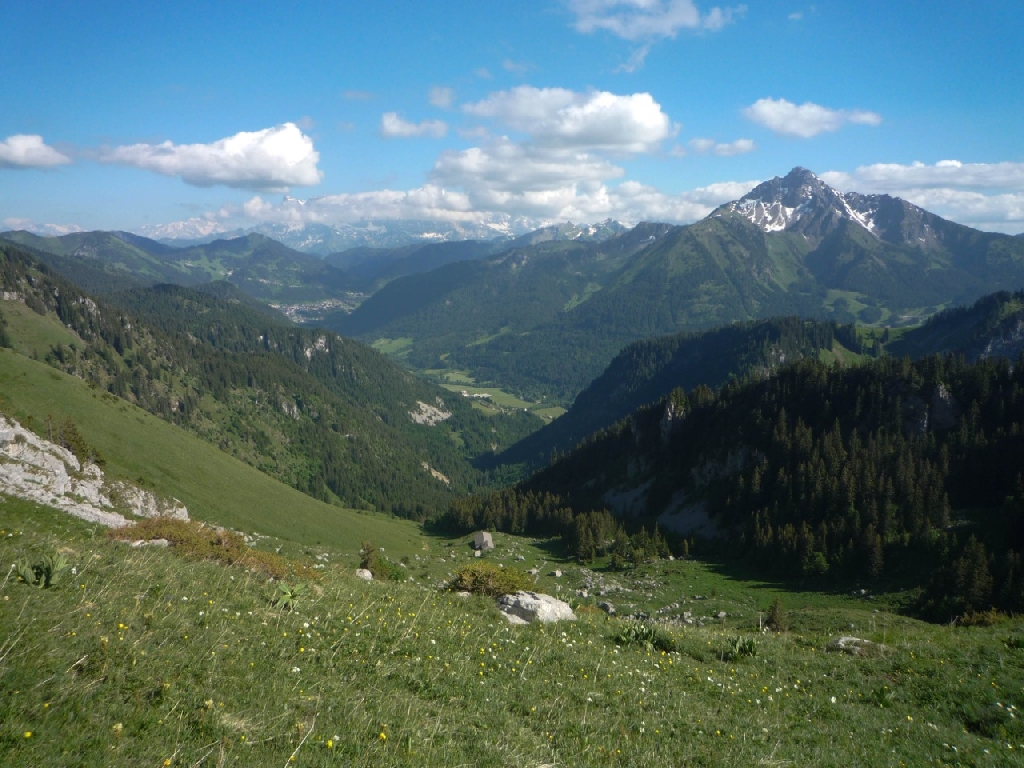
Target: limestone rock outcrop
{"type": "Point", "coordinates": [36, 469]}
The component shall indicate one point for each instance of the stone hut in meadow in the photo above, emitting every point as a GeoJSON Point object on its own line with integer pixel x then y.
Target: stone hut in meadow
{"type": "Point", "coordinates": [483, 541]}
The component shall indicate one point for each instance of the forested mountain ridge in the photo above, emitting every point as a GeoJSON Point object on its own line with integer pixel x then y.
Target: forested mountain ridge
{"type": "Point", "coordinates": [372, 268]}
{"type": "Point", "coordinates": [90, 274]}
{"type": "Point", "coordinates": [543, 315]}
{"type": "Point", "coordinates": [992, 327]}
{"type": "Point", "coordinates": [896, 469]}
{"type": "Point", "coordinates": [268, 268]}
{"type": "Point", "coordinates": [792, 246]}
{"type": "Point", "coordinates": [523, 286]}
{"type": "Point", "coordinates": [646, 371]}
{"type": "Point", "coordinates": [120, 253]}
{"type": "Point", "coordinates": [259, 265]}
{"type": "Point", "coordinates": [322, 413]}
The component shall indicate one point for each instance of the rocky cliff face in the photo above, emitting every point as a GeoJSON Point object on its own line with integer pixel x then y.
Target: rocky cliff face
{"type": "Point", "coordinates": [1009, 340]}
{"type": "Point", "coordinates": [38, 470]}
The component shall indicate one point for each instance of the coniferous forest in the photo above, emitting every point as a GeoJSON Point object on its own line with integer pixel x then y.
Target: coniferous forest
{"type": "Point", "coordinates": [889, 470]}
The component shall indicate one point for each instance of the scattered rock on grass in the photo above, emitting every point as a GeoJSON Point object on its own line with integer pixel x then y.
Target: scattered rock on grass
{"type": "Point", "coordinates": [364, 574]}
{"type": "Point", "coordinates": [855, 646]}
{"type": "Point", "coordinates": [526, 607]}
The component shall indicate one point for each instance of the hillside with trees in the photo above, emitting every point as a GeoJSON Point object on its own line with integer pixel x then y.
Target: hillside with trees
{"type": "Point", "coordinates": [893, 470]}
{"type": "Point", "coordinates": [646, 371]}
{"type": "Point", "coordinates": [792, 246]}
{"type": "Point", "coordinates": [324, 414]}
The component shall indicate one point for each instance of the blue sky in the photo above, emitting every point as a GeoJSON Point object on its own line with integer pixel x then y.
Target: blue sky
{"type": "Point", "coordinates": [137, 116]}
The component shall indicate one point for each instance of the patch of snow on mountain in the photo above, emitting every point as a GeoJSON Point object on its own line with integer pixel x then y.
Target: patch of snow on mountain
{"type": "Point", "coordinates": [781, 203]}
{"type": "Point", "coordinates": [770, 218]}
{"type": "Point", "coordinates": [865, 218]}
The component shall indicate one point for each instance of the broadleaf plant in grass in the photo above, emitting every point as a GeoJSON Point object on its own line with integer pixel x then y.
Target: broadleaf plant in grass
{"type": "Point", "coordinates": [44, 573]}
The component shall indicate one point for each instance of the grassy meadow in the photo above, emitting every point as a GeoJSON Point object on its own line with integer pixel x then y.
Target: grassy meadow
{"type": "Point", "coordinates": [142, 657]}
{"type": "Point", "coordinates": [34, 334]}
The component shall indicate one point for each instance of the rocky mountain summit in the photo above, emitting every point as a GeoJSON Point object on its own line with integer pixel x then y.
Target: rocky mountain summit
{"type": "Point", "coordinates": [36, 469]}
{"type": "Point", "coordinates": [801, 202]}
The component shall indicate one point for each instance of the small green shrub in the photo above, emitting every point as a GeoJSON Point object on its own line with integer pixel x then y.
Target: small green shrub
{"type": "Point", "coordinates": [193, 539]}
{"type": "Point", "coordinates": [69, 437]}
{"type": "Point", "coordinates": [645, 635]}
{"type": "Point", "coordinates": [617, 562]}
{"type": "Point", "coordinates": [987, 618]}
{"type": "Point", "coordinates": [777, 621]}
{"type": "Point", "coordinates": [489, 579]}
{"type": "Point", "coordinates": [381, 568]}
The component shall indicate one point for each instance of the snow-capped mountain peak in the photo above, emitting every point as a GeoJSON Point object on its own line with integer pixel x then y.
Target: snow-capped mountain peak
{"type": "Point", "coordinates": [800, 200]}
{"type": "Point", "coordinates": [802, 203]}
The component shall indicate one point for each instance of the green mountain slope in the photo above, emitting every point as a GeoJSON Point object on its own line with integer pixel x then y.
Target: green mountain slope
{"type": "Point", "coordinates": [514, 291]}
{"type": "Point", "coordinates": [90, 274]}
{"type": "Point", "coordinates": [148, 451]}
{"type": "Point", "coordinates": [468, 314]}
{"type": "Point", "coordinates": [793, 246]}
{"type": "Point", "coordinates": [993, 326]}
{"type": "Point", "coordinates": [646, 371]}
{"type": "Point", "coordinates": [263, 268]}
{"type": "Point", "coordinates": [372, 268]}
{"type": "Point", "coordinates": [119, 252]}
{"type": "Point", "coordinates": [319, 412]}
{"type": "Point", "coordinates": [259, 265]}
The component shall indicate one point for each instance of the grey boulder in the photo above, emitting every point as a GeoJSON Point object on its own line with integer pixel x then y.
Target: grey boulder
{"type": "Point", "coordinates": [526, 607]}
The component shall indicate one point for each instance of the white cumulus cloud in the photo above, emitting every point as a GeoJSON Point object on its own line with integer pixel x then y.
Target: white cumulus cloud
{"type": "Point", "coordinates": [711, 147]}
{"type": "Point", "coordinates": [393, 126]}
{"type": "Point", "coordinates": [988, 196]}
{"type": "Point", "coordinates": [29, 151]}
{"type": "Point", "coordinates": [586, 120]}
{"type": "Point", "coordinates": [889, 176]}
{"type": "Point", "coordinates": [440, 96]}
{"type": "Point", "coordinates": [520, 179]}
{"type": "Point", "coordinates": [559, 165]}
{"type": "Point", "coordinates": [648, 19]}
{"type": "Point", "coordinates": [805, 120]}
{"type": "Point", "coordinates": [274, 158]}
{"type": "Point", "coordinates": [428, 202]}
{"type": "Point", "coordinates": [582, 201]}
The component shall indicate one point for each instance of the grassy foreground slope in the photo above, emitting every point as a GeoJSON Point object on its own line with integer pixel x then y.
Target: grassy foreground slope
{"type": "Point", "coordinates": [143, 658]}
{"type": "Point", "coordinates": [146, 450]}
